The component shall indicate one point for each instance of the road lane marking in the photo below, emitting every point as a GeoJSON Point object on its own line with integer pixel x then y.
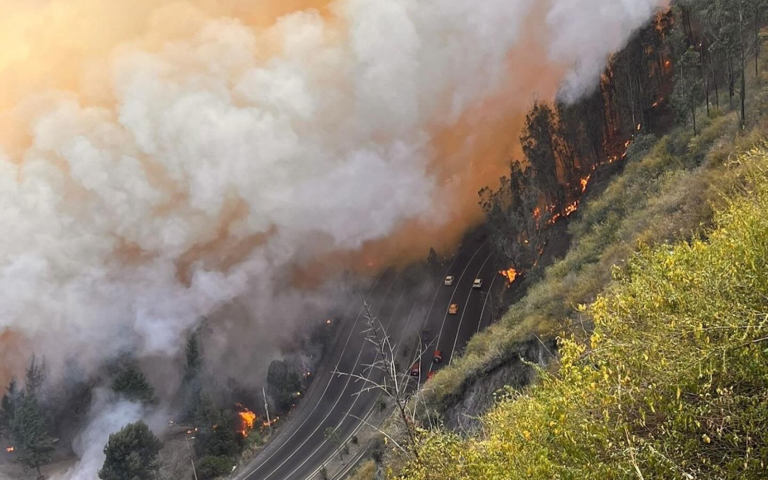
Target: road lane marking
{"type": "Point", "coordinates": [490, 292]}
{"type": "Point", "coordinates": [445, 317]}
{"type": "Point", "coordinates": [365, 417]}
{"type": "Point", "coordinates": [341, 356]}
{"type": "Point", "coordinates": [340, 396]}
{"type": "Point", "coordinates": [466, 303]}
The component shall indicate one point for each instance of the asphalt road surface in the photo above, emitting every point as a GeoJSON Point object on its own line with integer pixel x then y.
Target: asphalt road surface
{"type": "Point", "coordinates": [334, 401]}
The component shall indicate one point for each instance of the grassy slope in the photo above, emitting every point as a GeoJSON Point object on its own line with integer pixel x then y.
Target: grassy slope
{"type": "Point", "coordinates": [673, 382]}
{"type": "Point", "coordinates": [665, 193]}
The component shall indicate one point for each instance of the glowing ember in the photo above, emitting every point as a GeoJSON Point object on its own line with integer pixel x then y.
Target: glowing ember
{"type": "Point", "coordinates": [328, 322]}
{"type": "Point", "coordinates": [584, 181]}
{"type": "Point", "coordinates": [267, 424]}
{"type": "Point", "coordinates": [10, 449]}
{"type": "Point", "coordinates": [639, 126]}
{"type": "Point", "coordinates": [510, 275]}
{"type": "Point", "coordinates": [247, 418]}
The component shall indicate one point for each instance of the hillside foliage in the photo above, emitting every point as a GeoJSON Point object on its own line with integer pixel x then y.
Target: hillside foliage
{"type": "Point", "coordinates": [671, 383]}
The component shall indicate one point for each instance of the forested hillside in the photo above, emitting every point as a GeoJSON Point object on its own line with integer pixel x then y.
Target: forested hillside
{"type": "Point", "coordinates": [658, 308]}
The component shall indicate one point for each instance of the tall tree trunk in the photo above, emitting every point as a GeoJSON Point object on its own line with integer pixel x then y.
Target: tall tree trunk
{"type": "Point", "coordinates": [705, 77]}
{"type": "Point", "coordinates": [743, 46]}
{"type": "Point", "coordinates": [717, 91]}
{"type": "Point", "coordinates": [757, 40]}
{"type": "Point", "coordinates": [693, 114]}
{"type": "Point", "coordinates": [731, 83]}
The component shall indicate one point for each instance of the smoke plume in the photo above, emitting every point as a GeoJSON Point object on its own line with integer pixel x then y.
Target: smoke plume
{"type": "Point", "coordinates": [107, 416]}
{"type": "Point", "coordinates": [160, 160]}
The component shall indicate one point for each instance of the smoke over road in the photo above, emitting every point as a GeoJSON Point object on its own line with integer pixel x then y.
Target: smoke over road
{"type": "Point", "coordinates": [160, 160]}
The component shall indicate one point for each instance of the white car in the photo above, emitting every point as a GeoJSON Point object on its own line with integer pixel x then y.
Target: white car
{"type": "Point", "coordinates": [448, 280]}
{"type": "Point", "coordinates": [478, 283]}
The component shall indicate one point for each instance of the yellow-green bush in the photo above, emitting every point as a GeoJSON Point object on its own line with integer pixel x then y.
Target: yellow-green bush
{"type": "Point", "coordinates": [672, 382]}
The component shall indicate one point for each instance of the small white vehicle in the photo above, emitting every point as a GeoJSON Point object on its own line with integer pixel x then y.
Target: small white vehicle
{"type": "Point", "coordinates": [478, 283]}
{"type": "Point", "coordinates": [448, 280]}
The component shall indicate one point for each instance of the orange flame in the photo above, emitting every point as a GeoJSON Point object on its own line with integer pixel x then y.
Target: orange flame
{"type": "Point", "coordinates": [584, 181]}
{"type": "Point", "coordinates": [248, 418]}
{"type": "Point", "coordinates": [510, 275]}
{"type": "Point", "coordinates": [267, 424]}
{"type": "Point", "coordinates": [10, 449]}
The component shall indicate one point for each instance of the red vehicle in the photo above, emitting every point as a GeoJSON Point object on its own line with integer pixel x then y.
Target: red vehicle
{"type": "Point", "coordinates": [437, 357]}
{"type": "Point", "coordinates": [416, 370]}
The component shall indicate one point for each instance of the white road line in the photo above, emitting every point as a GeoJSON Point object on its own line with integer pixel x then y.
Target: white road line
{"type": "Point", "coordinates": [394, 311]}
{"type": "Point", "coordinates": [490, 292]}
{"type": "Point", "coordinates": [466, 303]}
{"type": "Point", "coordinates": [367, 415]}
{"type": "Point", "coordinates": [426, 318]}
{"type": "Point", "coordinates": [341, 356]}
{"type": "Point", "coordinates": [445, 317]}
{"type": "Point", "coordinates": [437, 293]}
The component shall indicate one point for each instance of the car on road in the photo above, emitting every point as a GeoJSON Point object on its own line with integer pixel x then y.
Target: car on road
{"type": "Point", "coordinates": [478, 283]}
{"type": "Point", "coordinates": [448, 281]}
{"type": "Point", "coordinates": [426, 336]}
{"type": "Point", "coordinates": [453, 309]}
{"type": "Point", "coordinates": [437, 357]}
{"type": "Point", "coordinates": [416, 370]}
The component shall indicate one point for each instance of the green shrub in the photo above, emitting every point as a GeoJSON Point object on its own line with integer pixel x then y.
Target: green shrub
{"type": "Point", "coordinates": [211, 466]}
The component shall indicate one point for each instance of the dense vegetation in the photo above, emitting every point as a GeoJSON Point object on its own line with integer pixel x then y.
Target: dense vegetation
{"type": "Point", "coordinates": [673, 382]}
{"type": "Point", "coordinates": [659, 305]}
{"type": "Point", "coordinates": [665, 192]}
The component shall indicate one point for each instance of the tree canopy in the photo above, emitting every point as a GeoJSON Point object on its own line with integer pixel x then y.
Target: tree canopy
{"type": "Point", "coordinates": [131, 454]}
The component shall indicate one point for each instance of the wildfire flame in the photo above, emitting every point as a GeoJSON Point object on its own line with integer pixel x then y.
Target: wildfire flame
{"type": "Point", "coordinates": [10, 449]}
{"type": "Point", "coordinates": [584, 181]}
{"type": "Point", "coordinates": [510, 275]}
{"type": "Point", "coordinates": [267, 424]}
{"type": "Point", "coordinates": [247, 418]}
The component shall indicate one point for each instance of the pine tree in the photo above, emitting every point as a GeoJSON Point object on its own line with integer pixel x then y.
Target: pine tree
{"type": "Point", "coordinates": [34, 447]}
{"type": "Point", "coordinates": [35, 375]}
{"type": "Point", "coordinates": [8, 406]}
{"type": "Point", "coordinates": [190, 385]}
{"type": "Point", "coordinates": [194, 360]}
{"type": "Point", "coordinates": [131, 383]}
{"type": "Point", "coordinates": [131, 454]}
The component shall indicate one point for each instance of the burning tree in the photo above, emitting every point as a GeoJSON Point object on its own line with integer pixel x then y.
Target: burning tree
{"type": "Point", "coordinates": [516, 224]}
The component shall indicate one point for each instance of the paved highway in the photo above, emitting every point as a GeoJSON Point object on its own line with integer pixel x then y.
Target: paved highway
{"type": "Point", "coordinates": [300, 448]}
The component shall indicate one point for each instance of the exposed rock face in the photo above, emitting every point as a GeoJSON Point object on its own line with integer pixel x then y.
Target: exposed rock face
{"type": "Point", "coordinates": [461, 411]}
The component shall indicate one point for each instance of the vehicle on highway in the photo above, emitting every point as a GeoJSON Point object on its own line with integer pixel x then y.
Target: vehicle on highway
{"type": "Point", "coordinates": [426, 336]}
{"type": "Point", "coordinates": [453, 309]}
{"type": "Point", "coordinates": [478, 283]}
{"type": "Point", "coordinates": [416, 370]}
{"type": "Point", "coordinates": [437, 357]}
{"type": "Point", "coordinates": [448, 281]}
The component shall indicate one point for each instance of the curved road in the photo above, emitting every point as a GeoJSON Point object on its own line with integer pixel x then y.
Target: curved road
{"type": "Point", "coordinates": [300, 448]}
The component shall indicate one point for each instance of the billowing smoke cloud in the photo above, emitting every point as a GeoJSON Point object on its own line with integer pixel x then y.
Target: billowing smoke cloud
{"type": "Point", "coordinates": [107, 416]}
{"type": "Point", "coordinates": [160, 160]}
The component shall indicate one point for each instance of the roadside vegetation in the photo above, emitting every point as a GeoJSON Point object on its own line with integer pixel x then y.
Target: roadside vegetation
{"type": "Point", "coordinates": [667, 191]}
{"type": "Point", "coordinates": [659, 306]}
{"type": "Point", "coordinates": [672, 381]}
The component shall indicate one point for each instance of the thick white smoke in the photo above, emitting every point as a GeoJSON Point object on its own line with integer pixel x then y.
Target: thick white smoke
{"type": "Point", "coordinates": [204, 155]}
{"type": "Point", "coordinates": [108, 416]}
